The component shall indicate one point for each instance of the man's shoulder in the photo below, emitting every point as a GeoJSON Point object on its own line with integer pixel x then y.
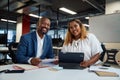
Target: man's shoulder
{"type": "Point", "coordinates": [29, 34]}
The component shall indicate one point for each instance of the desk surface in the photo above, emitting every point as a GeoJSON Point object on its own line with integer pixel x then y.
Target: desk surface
{"type": "Point", "coordinates": [3, 48]}
{"type": "Point", "coordinates": [46, 74]}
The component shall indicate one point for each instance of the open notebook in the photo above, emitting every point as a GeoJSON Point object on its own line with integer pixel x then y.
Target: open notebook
{"type": "Point", "coordinates": [103, 73]}
{"type": "Point", "coordinates": [43, 64]}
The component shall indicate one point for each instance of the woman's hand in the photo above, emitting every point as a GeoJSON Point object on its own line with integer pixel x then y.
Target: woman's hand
{"type": "Point", "coordinates": [92, 60]}
{"type": "Point", "coordinates": [85, 64]}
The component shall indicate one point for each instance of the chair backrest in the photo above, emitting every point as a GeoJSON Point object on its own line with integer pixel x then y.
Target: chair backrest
{"type": "Point", "coordinates": [111, 56]}
{"type": "Point", "coordinates": [103, 53]}
{"type": "Point", "coordinates": [12, 50]}
{"type": "Point", "coordinates": [57, 42]}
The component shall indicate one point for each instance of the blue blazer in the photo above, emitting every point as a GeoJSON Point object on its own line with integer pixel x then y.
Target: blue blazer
{"type": "Point", "coordinates": [27, 47]}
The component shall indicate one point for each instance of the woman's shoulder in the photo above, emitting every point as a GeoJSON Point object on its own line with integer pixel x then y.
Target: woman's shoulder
{"type": "Point", "coordinates": [92, 37]}
{"type": "Point", "coordinates": [89, 35]}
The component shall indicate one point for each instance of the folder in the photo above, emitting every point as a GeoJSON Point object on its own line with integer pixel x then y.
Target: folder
{"type": "Point", "coordinates": [24, 67]}
{"type": "Point", "coordinates": [106, 74]}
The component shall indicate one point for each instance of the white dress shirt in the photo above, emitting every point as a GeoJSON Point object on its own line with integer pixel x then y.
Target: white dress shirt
{"type": "Point", "coordinates": [90, 46]}
{"type": "Point", "coordinates": [39, 47]}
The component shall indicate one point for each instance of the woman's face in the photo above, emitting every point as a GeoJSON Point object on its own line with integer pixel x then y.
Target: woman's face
{"type": "Point", "coordinates": [75, 29]}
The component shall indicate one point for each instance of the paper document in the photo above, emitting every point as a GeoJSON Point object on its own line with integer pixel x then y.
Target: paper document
{"type": "Point", "coordinates": [102, 68]}
{"type": "Point", "coordinates": [25, 66]}
{"type": "Point", "coordinates": [103, 73]}
{"type": "Point", "coordinates": [48, 60]}
{"type": "Point", "coordinates": [55, 68]}
{"type": "Point", "coordinates": [47, 63]}
{"type": "Point", "coordinates": [43, 64]}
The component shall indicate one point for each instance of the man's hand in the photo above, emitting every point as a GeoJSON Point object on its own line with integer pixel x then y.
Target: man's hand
{"type": "Point", "coordinates": [35, 61]}
{"type": "Point", "coordinates": [56, 61]}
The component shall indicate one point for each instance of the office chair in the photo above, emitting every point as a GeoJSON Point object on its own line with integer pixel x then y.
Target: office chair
{"type": "Point", "coordinates": [111, 55]}
{"type": "Point", "coordinates": [57, 42]}
{"type": "Point", "coordinates": [12, 50]}
{"type": "Point", "coordinates": [103, 53]}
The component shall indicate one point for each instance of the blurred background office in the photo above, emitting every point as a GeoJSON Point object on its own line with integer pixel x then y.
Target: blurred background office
{"type": "Point", "coordinates": [15, 14]}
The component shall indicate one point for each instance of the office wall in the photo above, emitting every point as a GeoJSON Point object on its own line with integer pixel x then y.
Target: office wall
{"type": "Point", "coordinates": [106, 27]}
{"type": "Point", "coordinates": [112, 45]}
{"type": "Point", "coordinates": [112, 6]}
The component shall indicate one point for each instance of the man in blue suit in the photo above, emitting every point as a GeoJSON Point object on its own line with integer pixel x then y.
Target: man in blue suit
{"type": "Point", "coordinates": [36, 45]}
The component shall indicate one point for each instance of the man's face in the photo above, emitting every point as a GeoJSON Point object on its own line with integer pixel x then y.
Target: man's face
{"type": "Point", "coordinates": [44, 26]}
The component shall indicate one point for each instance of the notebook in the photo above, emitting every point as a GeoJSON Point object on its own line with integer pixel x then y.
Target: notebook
{"type": "Point", "coordinates": [71, 60]}
{"type": "Point", "coordinates": [107, 74]}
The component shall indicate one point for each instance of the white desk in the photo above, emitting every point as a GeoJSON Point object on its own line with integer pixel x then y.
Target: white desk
{"type": "Point", "coordinates": [46, 74]}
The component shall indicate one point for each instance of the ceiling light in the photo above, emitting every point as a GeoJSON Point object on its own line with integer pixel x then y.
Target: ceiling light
{"type": "Point", "coordinates": [36, 16]}
{"type": "Point", "coordinates": [86, 25]}
{"type": "Point", "coordinates": [87, 17]}
{"type": "Point", "coordinates": [8, 20]}
{"type": "Point", "coordinates": [67, 10]}
{"type": "Point", "coordinates": [20, 11]}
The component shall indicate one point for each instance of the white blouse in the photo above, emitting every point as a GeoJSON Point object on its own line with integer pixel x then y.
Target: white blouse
{"type": "Point", "coordinates": [90, 46]}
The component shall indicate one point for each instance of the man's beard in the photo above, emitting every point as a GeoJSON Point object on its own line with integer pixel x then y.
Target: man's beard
{"type": "Point", "coordinates": [43, 30]}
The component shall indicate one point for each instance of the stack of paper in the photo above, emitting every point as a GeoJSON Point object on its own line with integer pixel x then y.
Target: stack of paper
{"type": "Point", "coordinates": [43, 64]}
{"type": "Point", "coordinates": [56, 68]}
{"type": "Point", "coordinates": [25, 66]}
{"type": "Point", "coordinates": [104, 71]}
{"type": "Point", "coordinates": [48, 60]}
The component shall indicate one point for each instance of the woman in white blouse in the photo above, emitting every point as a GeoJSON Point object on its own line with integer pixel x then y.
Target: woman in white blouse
{"type": "Point", "coordinates": [79, 40]}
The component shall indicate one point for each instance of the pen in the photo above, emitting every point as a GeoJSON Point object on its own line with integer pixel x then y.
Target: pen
{"type": "Point", "coordinates": [103, 68]}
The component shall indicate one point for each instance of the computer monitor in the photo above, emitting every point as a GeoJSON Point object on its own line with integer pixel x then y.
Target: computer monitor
{"type": "Point", "coordinates": [3, 39]}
